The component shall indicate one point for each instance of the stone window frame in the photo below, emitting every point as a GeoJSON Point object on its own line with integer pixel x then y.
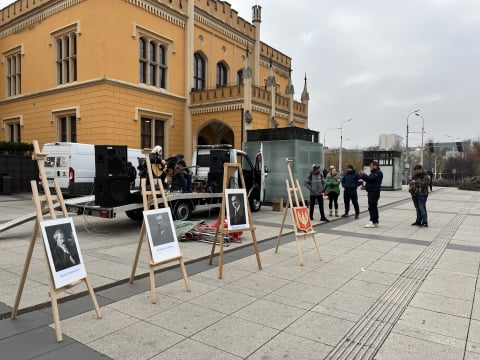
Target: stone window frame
{"type": "Point", "coordinates": [13, 79]}
{"type": "Point", "coordinates": [66, 122]}
{"type": "Point", "coordinates": [12, 126]}
{"type": "Point", "coordinates": [158, 61]}
{"type": "Point", "coordinates": [66, 61]}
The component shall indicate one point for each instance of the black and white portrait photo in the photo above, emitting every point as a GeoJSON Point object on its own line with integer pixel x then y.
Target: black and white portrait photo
{"type": "Point", "coordinates": [160, 228]}
{"type": "Point", "coordinates": [63, 251]}
{"type": "Point", "coordinates": [237, 209]}
{"type": "Point", "coordinates": [161, 234]}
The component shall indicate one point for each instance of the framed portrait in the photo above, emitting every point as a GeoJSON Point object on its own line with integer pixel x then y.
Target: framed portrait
{"type": "Point", "coordinates": [302, 218]}
{"type": "Point", "coordinates": [237, 214]}
{"type": "Point", "coordinates": [161, 234]}
{"type": "Point", "coordinates": [63, 251]}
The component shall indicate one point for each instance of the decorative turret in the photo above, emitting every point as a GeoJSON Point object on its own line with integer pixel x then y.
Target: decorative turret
{"type": "Point", "coordinates": [256, 20]}
{"type": "Point", "coordinates": [247, 70]}
{"type": "Point", "coordinates": [305, 96]}
{"type": "Point", "coordinates": [289, 91]}
{"type": "Point", "coordinates": [270, 82]}
{"type": "Point", "coordinates": [256, 13]}
{"type": "Point", "coordinates": [247, 96]}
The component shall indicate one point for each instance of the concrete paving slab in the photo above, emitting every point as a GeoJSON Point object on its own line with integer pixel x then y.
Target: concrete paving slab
{"type": "Point", "coordinates": [224, 301]}
{"type": "Point", "coordinates": [189, 349]}
{"type": "Point", "coordinates": [141, 307]}
{"type": "Point", "coordinates": [138, 341]}
{"type": "Point", "coordinates": [450, 284]}
{"type": "Point", "coordinates": [269, 313]}
{"type": "Point", "coordinates": [442, 304]}
{"type": "Point", "coordinates": [73, 351]}
{"type": "Point", "coordinates": [186, 319]}
{"type": "Point", "coordinates": [319, 327]}
{"type": "Point", "coordinates": [364, 288]}
{"type": "Point", "coordinates": [289, 346]}
{"type": "Point", "coordinates": [86, 327]}
{"type": "Point", "coordinates": [235, 335]}
{"type": "Point", "coordinates": [377, 277]}
{"type": "Point", "coordinates": [434, 322]}
{"type": "Point", "coordinates": [401, 347]}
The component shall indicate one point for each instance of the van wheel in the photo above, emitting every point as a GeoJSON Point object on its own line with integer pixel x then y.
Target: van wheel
{"type": "Point", "coordinates": [183, 211]}
{"type": "Point", "coordinates": [255, 205]}
{"type": "Point", "coordinates": [135, 214]}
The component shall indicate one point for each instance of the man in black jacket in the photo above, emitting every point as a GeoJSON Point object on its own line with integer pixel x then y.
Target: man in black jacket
{"type": "Point", "coordinates": [373, 184]}
{"type": "Point", "coordinates": [350, 181]}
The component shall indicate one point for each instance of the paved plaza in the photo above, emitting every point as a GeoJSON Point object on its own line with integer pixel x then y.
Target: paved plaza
{"type": "Point", "coordinates": [393, 292]}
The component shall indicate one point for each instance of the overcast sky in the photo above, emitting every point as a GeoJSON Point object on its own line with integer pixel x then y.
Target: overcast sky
{"type": "Point", "coordinates": [375, 61]}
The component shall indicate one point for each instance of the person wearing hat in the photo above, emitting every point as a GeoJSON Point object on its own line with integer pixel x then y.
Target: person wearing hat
{"type": "Point", "coordinates": [373, 186]}
{"type": "Point", "coordinates": [315, 183]}
{"type": "Point", "coordinates": [350, 182]}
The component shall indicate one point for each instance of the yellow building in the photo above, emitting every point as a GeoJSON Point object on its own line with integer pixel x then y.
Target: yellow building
{"type": "Point", "coordinates": [140, 73]}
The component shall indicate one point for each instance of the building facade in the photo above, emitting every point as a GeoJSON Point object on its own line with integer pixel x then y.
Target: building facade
{"type": "Point", "coordinates": [141, 73]}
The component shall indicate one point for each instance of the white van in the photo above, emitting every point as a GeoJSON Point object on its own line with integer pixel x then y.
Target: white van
{"type": "Point", "coordinates": [73, 165]}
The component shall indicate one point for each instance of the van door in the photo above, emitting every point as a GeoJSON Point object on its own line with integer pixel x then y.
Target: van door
{"type": "Point", "coordinates": [57, 166]}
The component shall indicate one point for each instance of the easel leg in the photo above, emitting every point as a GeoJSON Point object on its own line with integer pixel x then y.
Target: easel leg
{"type": "Point", "coordinates": [26, 266]}
{"type": "Point", "coordinates": [212, 253]}
{"type": "Point", "coordinates": [152, 278]}
{"type": "Point", "coordinates": [255, 245]}
{"type": "Point", "coordinates": [137, 254]}
{"type": "Point", "coordinates": [220, 258]}
{"type": "Point", "coordinates": [94, 298]}
{"type": "Point", "coordinates": [56, 316]}
{"type": "Point", "coordinates": [317, 247]}
{"type": "Point", "coordinates": [281, 228]}
{"type": "Point", "coordinates": [185, 275]}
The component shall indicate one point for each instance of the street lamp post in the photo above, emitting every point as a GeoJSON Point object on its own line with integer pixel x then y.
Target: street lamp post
{"type": "Point", "coordinates": [423, 131]}
{"type": "Point", "coordinates": [407, 154]}
{"type": "Point", "coordinates": [340, 159]}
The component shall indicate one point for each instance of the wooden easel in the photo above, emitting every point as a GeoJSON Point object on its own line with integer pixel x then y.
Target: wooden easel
{"type": "Point", "coordinates": [149, 198]}
{"type": "Point", "coordinates": [299, 201]}
{"type": "Point", "coordinates": [40, 202]}
{"type": "Point", "coordinates": [229, 170]}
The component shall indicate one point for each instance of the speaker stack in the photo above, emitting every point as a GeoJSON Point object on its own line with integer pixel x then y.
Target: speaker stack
{"type": "Point", "coordinates": [112, 186]}
{"type": "Point", "coordinates": [215, 175]}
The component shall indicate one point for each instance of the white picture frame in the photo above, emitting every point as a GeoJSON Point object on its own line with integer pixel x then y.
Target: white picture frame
{"type": "Point", "coordinates": [161, 234]}
{"type": "Point", "coordinates": [63, 251]}
{"type": "Point", "coordinates": [237, 220]}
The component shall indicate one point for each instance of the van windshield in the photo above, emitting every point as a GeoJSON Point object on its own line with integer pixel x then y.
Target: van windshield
{"type": "Point", "coordinates": [56, 161]}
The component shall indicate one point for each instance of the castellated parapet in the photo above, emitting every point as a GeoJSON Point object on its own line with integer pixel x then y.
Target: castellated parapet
{"type": "Point", "coordinates": [223, 11]}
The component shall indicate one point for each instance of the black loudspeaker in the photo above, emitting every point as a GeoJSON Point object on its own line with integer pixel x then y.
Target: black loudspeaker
{"type": "Point", "coordinates": [215, 180]}
{"type": "Point", "coordinates": [217, 158]}
{"type": "Point", "coordinates": [459, 146]}
{"type": "Point", "coordinates": [110, 160]}
{"type": "Point", "coordinates": [112, 191]}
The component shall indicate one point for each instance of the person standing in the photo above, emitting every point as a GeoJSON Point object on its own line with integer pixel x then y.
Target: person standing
{"type": "Point", "coordinates": [351, 181]}
{"type": "Point", "coordinates": [132, 175]}
{"type": "Point", "coordinates": [418, 188]}
{"type": "Point", "coordinates": [333, 190]}
{"type": "Point", "coordinates": [373, 183]}
{"type": "Point", "coordinates": [315, 183]}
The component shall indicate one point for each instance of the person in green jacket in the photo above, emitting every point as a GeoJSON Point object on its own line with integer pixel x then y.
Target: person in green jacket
{"type": "Point", "coordinates": [333, 190]}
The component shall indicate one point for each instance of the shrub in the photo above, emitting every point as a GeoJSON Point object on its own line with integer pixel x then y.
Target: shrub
{"type": "Point", "coordinates": [15, 148]}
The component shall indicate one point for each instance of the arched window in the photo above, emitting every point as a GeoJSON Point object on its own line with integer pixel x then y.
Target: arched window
{"type": "Point", "coordinates": [222, 74]}
{"type": "Point", "coordinates": [198, 72]}
{"type": "Point", "coordinates": [240, 77]}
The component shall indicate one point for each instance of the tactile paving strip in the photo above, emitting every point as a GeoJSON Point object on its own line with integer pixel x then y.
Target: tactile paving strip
{"type": "Point", "coordinates": [366, 337]}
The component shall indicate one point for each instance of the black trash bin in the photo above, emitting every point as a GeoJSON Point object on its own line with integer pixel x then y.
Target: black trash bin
{"type": "Point", "coordinates": [6, 184]}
